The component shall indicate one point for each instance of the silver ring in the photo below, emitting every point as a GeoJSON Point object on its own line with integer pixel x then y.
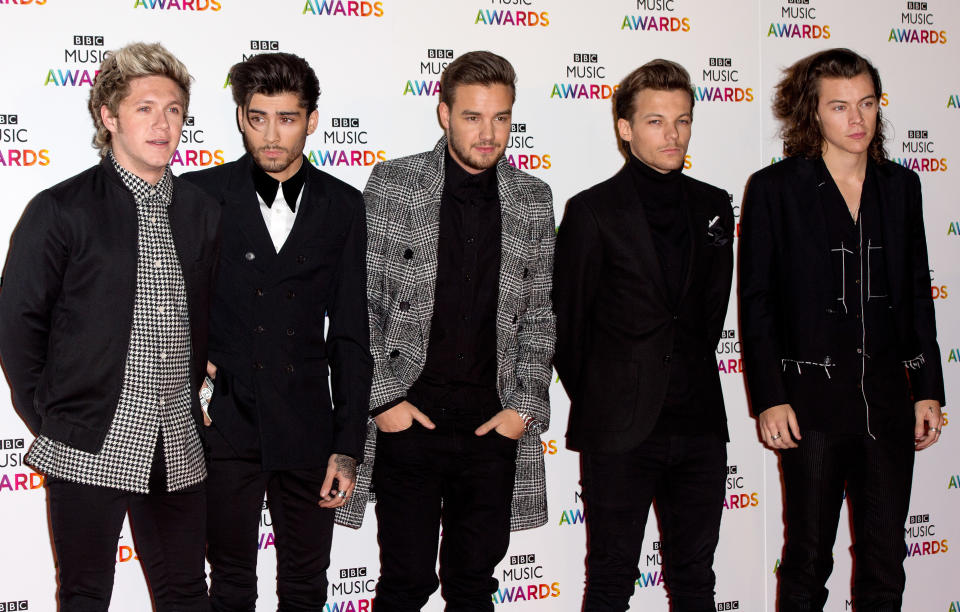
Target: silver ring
{"type": "Point", "coordinates": [342, 494]}
{"type": "Point", "coordinates": [775, 436]}
{"type": "Point", "coordinates": [936, 429]}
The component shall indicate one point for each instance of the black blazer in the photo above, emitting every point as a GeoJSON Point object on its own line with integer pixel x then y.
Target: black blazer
{"type": "Point", "coordinates": [786, 291]}
{"type": "Point", "coordinates": [615, 327]}
{"type": "Point", "coordinates": [69, 286]}
{"type": "Point", "coordinates": [267, 322]}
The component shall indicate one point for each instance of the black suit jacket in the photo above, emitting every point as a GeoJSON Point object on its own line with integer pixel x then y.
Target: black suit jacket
{"type": "Point", "coordinates": [69, 286]}
{"type": "Point", "coordinates": [272, 396]}
{"type": "Point", "coordinates": [786, 287]}
{"type": "Point", "coordinates": [615, 327]}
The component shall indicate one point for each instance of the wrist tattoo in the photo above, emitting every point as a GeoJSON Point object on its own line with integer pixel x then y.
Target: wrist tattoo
{"type": "Point", "coordinates": [347, 466]}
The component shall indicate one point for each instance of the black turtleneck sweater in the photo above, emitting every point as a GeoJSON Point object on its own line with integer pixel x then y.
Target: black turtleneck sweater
{"type": "Point", "coordinates": [666, 207]}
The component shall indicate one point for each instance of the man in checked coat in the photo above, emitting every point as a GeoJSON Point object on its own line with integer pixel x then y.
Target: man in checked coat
{"type": "Point", "coordinates": [459, 260]}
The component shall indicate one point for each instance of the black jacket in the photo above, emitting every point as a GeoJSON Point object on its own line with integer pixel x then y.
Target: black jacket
{"type": "Point", "coordinates": [267, 322]}
{"type": "Point", "coordinates": [66, 306]}
{"type": "Point", "coordinates": [787, 301]}
{"type": "Point", "coordinates": [615, 327]}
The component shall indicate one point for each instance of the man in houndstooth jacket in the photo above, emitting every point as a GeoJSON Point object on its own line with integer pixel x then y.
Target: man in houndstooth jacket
{"type": "Point", "coordinates": [459, 259]}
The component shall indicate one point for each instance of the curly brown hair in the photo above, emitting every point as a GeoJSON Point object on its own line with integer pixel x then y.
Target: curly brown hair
{"type": "Point", "coordinates": [797, 95]}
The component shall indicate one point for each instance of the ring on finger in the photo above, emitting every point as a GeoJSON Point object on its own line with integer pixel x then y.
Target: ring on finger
{"type": "Point", "coordinates": [775, 436]}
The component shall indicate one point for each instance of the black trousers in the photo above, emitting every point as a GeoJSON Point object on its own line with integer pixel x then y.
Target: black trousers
{"type": "Point", "coordinates": [448, 477]}
{"type": "Point", "coordinates": [877, 475]}
{"type": "Point", "coordinates": [686, 475]}
{"type": "Point", "coordinates": [302, 530]}
{"type": "Point", "coordinates": [168, 530]}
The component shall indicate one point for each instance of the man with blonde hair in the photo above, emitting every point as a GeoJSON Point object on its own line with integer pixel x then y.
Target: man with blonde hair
{"type": "Point", "coordinates": [103, 337]}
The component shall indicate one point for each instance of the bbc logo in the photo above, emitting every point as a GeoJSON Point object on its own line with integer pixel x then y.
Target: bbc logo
{"type": "Point", "coordinates": [656, 545]}
{"type": "Point", "coordinates": [916, 133]}
{"type": "Point", "coordinates": [11, 606]}
{"type": "Point", "coordinates": [916, 6]}
{"type": "Point", "coordinates": [723, 62]}
{"type": "Point", "coordinates": [518, 127]}
{"type": "Point", "coordinates": [728, 333]}
{"type": "Point", "coordinates": [728, 605]}
{"type": "Point", "coordinates": [439, 53]}
{"type": "Point", "coordinates": [188, 121]}
{"type": "Point", "coordinates": [585, 58]}
{"type": "Point", "coordinates": [345, 122]}
{"type": "Point", "coordinates": [8, 120]}
{"type": "Point", "coordinates": [80, 40]}
{"type": "Point", "coordinates": [523, 559]}
{"type": "Point", "coordinates": [353, 572]}
{"type": "Point", "coordinates": [11, 443]}
{"type": "Point", "coordinates": [919, 518]}
{"type": "Point", "coordinates": [264, 45]}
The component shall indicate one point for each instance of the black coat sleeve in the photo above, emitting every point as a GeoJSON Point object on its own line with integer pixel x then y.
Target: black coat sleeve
{"type": "Point", "coordinates": [32, 279]}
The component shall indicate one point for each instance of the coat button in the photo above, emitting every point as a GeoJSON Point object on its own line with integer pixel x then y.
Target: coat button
{"type": "Point", "coordinates": [394, 353]}
{"type": "Point", "coordinates": [408, 254]}
{"type": "Point", "coordinates": [290, 331]}
{"type": "Point", "coordinates": [249, 256]}
{"type": "Point", "coordinates": [291, 294]}
{"type": "Point", "coordinates": [514, 318]}
{"type": "Point", "coordinates": [404, 306]}
{"type": "Point", "coordinates": [831, 311]}
{"type": "Point", "coordinates": [289, 368]}
{"type": "Point", "coordinates": [827, 360]}
{"type": "Point", "coordinates": [526, 272]}
{"type": "Point", "coordinates": [301, 258]}
{"type": "Point", "coordinates": [258, 292]}
{"type": "Point", "coordinates": [258, 329]}
{"type": "Point", "coordinates": [257, 365]}
{"type": "Point", "coordinates": [666, 359]}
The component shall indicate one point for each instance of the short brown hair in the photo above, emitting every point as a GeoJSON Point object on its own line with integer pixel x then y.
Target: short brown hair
{"type": "Point", "coordinates": [659, 74]}
{"type": "Point", "coordinates": [797, 96]}
{"type": "Point", "coordinates": [120, 67]}
{"type": "Point", "coordinates": [273, 74]}
{"type": "Point", "coordinates": [477, 68]}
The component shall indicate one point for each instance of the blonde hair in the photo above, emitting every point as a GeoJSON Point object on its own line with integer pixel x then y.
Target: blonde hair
{"type": "Point", "coordinates": [119, 67]}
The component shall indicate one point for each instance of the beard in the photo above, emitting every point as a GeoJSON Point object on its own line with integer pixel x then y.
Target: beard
{"type": "Point", "coordinates": [275, 164]}
{"type": "Point", "coordinates": [464, 153]}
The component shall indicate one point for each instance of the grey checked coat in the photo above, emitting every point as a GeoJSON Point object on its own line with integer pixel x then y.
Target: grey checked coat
{"type": "Point", "coordinates": [403, 215]}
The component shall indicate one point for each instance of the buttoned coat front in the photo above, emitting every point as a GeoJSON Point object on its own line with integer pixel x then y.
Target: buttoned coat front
{"type": "Point", "coordinates": [403, 220]}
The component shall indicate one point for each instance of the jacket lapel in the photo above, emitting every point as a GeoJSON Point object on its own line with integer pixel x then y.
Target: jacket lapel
{"type": "Point", "coordinates": [423, 210]}
{"type": "Point", "coordinates": [893, 223]}
{"type": "Point", "coordinates": [242, 205]}
{"type": "Point", "coordinates": [632, 212]}
{"type": "Point", "coordinates": [313, 208]}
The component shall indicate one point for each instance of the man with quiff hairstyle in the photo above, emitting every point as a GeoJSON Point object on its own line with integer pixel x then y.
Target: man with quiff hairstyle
{"type": "Point", "coordinates": [103, 337]}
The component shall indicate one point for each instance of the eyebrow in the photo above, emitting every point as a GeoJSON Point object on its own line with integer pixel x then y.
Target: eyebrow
{"type": "Point", "coordinates": [282, 113]}
{"type": "Point", "coordinates": [661, 115]}
{"type": "Point", "coordinates": [473, 112]}
{"type": "Point", "coordinates": [874, 96]}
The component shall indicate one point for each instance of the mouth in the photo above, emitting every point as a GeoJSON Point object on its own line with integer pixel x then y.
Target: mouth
{"type": "Point", "coordinates": [485, 149]}
{"type": "Point", "coordinates": [273, 152]}
{"type": "Point", "coordinates": [159, 143]}
{"type": "Point", "coordinates": [671, 151]}
{"type": "Point", "coordinates": [858, 135]}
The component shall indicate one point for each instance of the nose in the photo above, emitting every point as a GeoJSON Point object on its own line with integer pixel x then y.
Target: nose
{"type": "Point", "coordinates": [857, 115]}
{"type": "Point", "coordinates": [486, 131]}
{"type": "Point", "coordinates": [270, 132]}
{"type": "Point", "coordinates": [672, 132]}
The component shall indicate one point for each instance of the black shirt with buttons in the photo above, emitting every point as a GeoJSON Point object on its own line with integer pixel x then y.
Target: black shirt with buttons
{"type": "Point", "coordinates": [866, 382]}
{"type": "Point", "coordinates": [462, 351]}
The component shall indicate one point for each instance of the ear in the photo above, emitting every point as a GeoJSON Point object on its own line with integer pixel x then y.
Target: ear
{"type": "Point", "coordinates": [240, 119]}
{"type": "Point", "coordinates": [624, 129]}
{"type": "Point", "coordinates": [312, 122]}
{"type": "Point", "coordinates": [444, 112]}
{"type": "Point", "coordinates": [108, 118]}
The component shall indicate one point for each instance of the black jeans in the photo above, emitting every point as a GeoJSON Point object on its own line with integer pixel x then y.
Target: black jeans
{"type": "Point", "coordinates": [302, 530]}
{"type": "Point", "coordinates": [686, 475]}
{"type": "Point", "coordinates": [168, 531]}
{"type": "Point", "coordinates": [877, 475]}
{"type": "Point", "coordinates": [448, 477]}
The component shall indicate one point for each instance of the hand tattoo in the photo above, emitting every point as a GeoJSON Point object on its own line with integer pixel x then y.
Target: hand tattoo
{"type": "Point", "coordinates": [347, 466]}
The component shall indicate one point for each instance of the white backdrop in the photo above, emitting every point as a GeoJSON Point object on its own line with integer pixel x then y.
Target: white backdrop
{"type": "Point", "coordinates": [379, 64]}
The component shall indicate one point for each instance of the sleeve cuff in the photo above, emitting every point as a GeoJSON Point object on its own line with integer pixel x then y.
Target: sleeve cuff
{"type": "Point", "coordinates": [384, 407]}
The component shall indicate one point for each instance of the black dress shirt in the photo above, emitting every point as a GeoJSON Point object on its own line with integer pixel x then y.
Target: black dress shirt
{"type": "Point", "coordinates": [865, 381]}
{"type": "Point", "coordinates": [462, 351]}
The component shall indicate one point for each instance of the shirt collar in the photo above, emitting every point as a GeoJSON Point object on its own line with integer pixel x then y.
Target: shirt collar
{"type": "Point", "coordinates": [142, 190]}
{"type": "Point", "coordinates": [459, 181]}
{"type": "Point", "coordinates": [267, 186]}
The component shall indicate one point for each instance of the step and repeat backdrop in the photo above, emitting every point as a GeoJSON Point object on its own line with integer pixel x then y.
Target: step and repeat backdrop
{"type": "Point", "coordinates": [379, 63]}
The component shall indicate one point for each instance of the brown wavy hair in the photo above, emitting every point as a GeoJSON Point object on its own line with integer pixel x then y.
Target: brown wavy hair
{"type": "Point", "coordinates": [658, 74]}
{"type": "Point", "coordinates": [797, 95]}
{"type": "Point", "coordinates": [477, 68]}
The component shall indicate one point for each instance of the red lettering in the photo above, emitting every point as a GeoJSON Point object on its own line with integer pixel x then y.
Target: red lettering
{"type": "Point", "coordinates": [19, 481]}
{"type": "Point", "coordinates": [531, 591]}
{"type": "Point", "coordinates": [356, 158]}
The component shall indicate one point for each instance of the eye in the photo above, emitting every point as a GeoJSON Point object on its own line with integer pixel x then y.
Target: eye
{"type": "Point", "coordinates": [655, 122]}
{"type": "Point", "coordinates": [143, 109]}
{"type": "Point", "coordinates": [684, 122]}
{"type": "Point", "coordinates": [840, 107]}
{"type": "Point", "coordinates": [175, 110]}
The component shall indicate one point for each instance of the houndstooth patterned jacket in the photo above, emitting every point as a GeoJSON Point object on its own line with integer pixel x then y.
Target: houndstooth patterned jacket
{"type": "Point", "coordinates": [403, 217]}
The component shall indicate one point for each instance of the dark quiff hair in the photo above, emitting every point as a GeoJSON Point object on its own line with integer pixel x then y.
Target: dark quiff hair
{"type": "Point", "coordinates": [112, 83]}
{"type": "Point", "coordinates": [477, 68]}
{"type": "Point", "coordinates": [273, 74]}
{"type": "Point", "coordinates": [797, 96]}
{"type": "Point", "coordinates": [659, 74]}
